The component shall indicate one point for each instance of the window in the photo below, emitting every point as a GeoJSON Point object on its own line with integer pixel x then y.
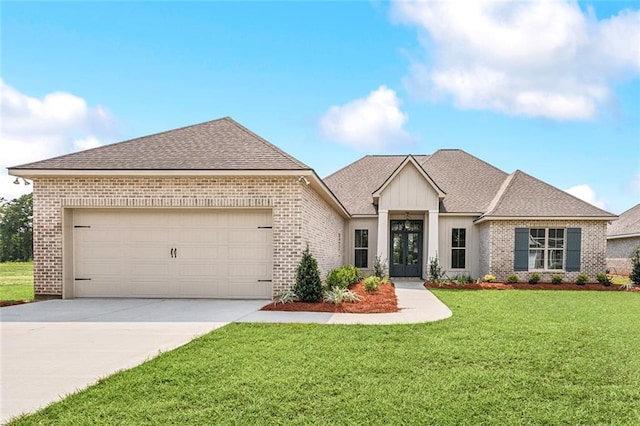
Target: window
{"type": "Point", "coordinates": [361, 248]}
{"type": "Point", "coordinates": [458, 248]}
{"type": "Point", "coordinates": [546, 248]}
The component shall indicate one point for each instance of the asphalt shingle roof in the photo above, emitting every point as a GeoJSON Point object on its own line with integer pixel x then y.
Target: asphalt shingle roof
{"type": "Point", "coordinates": [221, 144]}
{"type": "Point", "coordinates": [525, 196]}
{"type": "Point", "coordinates": [628, 223]}
{"type": "Point", "coordinates": [469, 183]}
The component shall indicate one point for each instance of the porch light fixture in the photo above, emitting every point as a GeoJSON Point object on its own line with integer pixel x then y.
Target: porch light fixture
{"type": "Point", "coordinates": [407, 224]}
{"type": "Point", "coordinates": [16, 182]}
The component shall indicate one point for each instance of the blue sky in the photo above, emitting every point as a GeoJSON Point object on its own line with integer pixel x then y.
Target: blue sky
{"type": "Point", "coordinates": [550, 88]}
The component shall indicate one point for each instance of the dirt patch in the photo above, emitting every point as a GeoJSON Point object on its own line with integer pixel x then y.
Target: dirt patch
{"type": "Point", "coordinates": [38, 298]}
{"type": "Point", "coordinates": [526, 286]}
{"type": "Point", "coordinates": [382, 301]}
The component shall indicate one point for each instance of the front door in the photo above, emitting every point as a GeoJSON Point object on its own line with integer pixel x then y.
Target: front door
{"type": "Point", "coordinates": [406, 248]}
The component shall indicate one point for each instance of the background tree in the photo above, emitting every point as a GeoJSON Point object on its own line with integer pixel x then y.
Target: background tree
{"type": "Point", "coordinates": [635, 271]}
{"type": "Point", "coordinates": [16, 229]}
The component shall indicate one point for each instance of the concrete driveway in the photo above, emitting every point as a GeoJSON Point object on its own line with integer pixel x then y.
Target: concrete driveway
{"type": "Point", "coordinates": [49, 349]}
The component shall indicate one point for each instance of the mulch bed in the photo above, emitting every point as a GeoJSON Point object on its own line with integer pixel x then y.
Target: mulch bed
{"type": "Point", "coordinates": [527, 286]}
{"type": "Point", "coordinates": [38, 298]}
{"type": "Point", "coordinates": [382, 301]}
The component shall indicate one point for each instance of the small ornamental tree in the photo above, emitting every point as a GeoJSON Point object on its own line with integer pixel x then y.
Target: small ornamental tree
{"type": "Point", "coordinates": [308, 285]}
{"type": "Point", "coordinates": [635, 267]}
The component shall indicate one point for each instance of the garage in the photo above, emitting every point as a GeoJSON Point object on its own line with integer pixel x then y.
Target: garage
{"type": "Point", "coordinates": [178, 253]}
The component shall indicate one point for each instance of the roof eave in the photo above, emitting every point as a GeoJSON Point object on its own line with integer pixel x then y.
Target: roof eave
{"type": "Point", "coordinates": [36, 173]}
{"type": "Point", "coordinates": [565, 218]}
{"type": "Point", "coordinates": [620, 236]}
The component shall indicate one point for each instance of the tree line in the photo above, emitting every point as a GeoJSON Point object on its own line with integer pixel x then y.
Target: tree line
{"type": "Point", "coordinates": [16, 229]}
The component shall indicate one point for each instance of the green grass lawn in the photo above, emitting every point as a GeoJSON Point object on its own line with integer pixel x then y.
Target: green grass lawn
{"type": "Point", "coordinates": [505, 357]}
{"type": "Point", "coordinates": [16, 281]}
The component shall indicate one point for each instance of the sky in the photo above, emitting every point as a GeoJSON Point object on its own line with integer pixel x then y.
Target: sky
{"type": "Point", "coordinates": [551, 88]}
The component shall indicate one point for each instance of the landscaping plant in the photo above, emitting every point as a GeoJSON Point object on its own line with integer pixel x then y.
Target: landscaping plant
{"type": "Point", "coordinates": [308, 285]}
{"type": "Point", "coordinates": [556, 279]}
{"type": "Point", "coordinates": [489, 278]}
{"type": "Point", "coordinates": [371, 283]}
{"type": "Point", "coordinates": [582, 279]}
{"type": "Point", "coordinates": [635, 268]}
{"type": "Point", "coordinates": [603, 279]}
{"type": "Point", "coordinates": [512, 279]}
{"type": "Point", "coordinates": [337, 295]}
{"type": "Point", "coordinates": [436, 273]}
{"type": "Point", "coordinates": [379, 267]}
{"type": "Point", "coordinates": [534, 278]}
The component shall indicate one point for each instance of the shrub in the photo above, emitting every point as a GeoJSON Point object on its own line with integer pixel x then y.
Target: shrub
{"type": "Point", "coordinates": [283, 297]}
{"type": "Point", "coordinates": [489, 278]}
{"type": "Point", "coordinates": [512, 279]}
{"type": "Point", "coordinates": [603, 279]}
{"type": "Point", "coordinates": [379, 267]}
{"type": "Point", "coordinates": [371, 283]}
{"type": "Point", "coordinates": [635, 268]}
{"type": "Point", "coordinates": [338, 295]}
{"type": "Point", "coordinates": [436, 274]}
{"type": "Point", "coordinates": [462, 279]}
{"type": "Point", "coordinates": [582, 279]}
{"type": "Point", "coordinates": [557, 278]}
{"type": "Point", "coordinates": [534, 278]}
{"type": "Point", "coordinates": [342, 277]}
{"type": "Point", "coordinates": [308, 285]}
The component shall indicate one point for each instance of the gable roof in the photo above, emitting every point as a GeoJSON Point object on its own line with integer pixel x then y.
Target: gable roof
{"type": "Point", "coordinates": [221, 144]}
{"type": "Point", "coordinates": [522, 195]}
{"type": "Point", "coordinates": [627, 225]}
{"type": "Point", "coordinates": [469, 184]}
{"type": "Point", "coordinates": [409, 160]}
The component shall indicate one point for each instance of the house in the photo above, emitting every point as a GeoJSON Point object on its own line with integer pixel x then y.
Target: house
{"type": "Point", "coordinates": [623, 237]}
{"type": "Point", "coordinates": [214, 210]}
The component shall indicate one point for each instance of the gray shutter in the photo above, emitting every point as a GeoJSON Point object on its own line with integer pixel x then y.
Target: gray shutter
{"type": "Point", "coordinates": [521, 259]}
{"type": "Point", "coordinates": [574, 237]}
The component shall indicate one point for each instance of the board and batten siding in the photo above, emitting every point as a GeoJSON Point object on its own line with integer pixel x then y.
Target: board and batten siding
{"type": "Point", "coordinates": [445, 227]}
{"type": "Point", "coordinates": [409, 191]}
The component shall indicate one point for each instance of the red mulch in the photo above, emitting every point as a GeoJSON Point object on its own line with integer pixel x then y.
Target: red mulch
{"type": "Point", "coordinates": [382, 301]}
{"type": "Point", "coordinates": [526, 286]}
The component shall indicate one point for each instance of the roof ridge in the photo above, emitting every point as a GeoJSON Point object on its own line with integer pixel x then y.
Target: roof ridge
{"type": "Point", "coordinates": [501, 191]}
{"type": "Point", "coordinates": [266, 142]}
{"type": "Point", "coordinates": [470, 155]}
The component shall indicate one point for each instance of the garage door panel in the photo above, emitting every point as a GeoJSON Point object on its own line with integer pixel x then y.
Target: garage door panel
{"type": "Point", "coordinates": [129, 253]}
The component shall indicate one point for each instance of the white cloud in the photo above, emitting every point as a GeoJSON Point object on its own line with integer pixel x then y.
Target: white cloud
{"type": "Point", "coordinates": [37, 128]}
{"type": "Point", "coordinates": [533, 58]}
{"type": "Point", "coordinates": [586, 193]}
{"type": "Point", "coordinates": [374, 122]}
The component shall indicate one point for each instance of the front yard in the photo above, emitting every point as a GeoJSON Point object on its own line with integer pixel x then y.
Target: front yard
{"type": "Point", "coordinates": [16, 281]}
{"type": "Point", "coordinates": [509, 357]}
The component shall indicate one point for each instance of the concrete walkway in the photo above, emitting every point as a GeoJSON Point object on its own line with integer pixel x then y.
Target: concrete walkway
{"type": "Point", "coordinates": [416, 304]}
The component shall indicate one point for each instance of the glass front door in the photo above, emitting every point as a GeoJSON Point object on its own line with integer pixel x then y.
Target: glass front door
{"type": "Point", "coordinates": [406, 248]}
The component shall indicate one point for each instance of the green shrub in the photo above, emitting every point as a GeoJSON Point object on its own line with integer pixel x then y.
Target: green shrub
{"type": "Point", "coordinates": [379, 267]}
{"type": "Point", "coordinates": [603, 279]}
{"type": "Point", "coordinates": [582, 279]}
{"type": "Point", "coordinates": [635, 269]}
{"type": "Point", "coordinates": [371, 283]}
{"type": "Point", "coordinates": [512, 279]}
{"type": "Point", "coordinates": [342, 277]}
{"type": "Point", "coordinates": [534, 278]}
{"type": "Point", "coordinates": [283, 297]}
{"type": "Point", "coordinates": [557, 278]}
{"type": "Point", "coordinates": [489, 278]}
{"type": "Point", "coordinates": [308, 285]}
{"type": "Point", "coordinates": [338, 295]}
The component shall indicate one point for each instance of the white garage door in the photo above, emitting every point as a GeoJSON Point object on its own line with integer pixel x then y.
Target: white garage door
{"type": "Point", "coordinates": [173, 253]}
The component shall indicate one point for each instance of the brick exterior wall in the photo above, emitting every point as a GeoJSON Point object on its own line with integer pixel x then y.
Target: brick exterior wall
{"type": "Point", "coordinates": [323, 229]}
{"type": "Point", "coordinates": [288, 200]}
{"type": "Point", "coordinates": [619, 253]}
{"type": "Point", "coordinates": [497, 253]}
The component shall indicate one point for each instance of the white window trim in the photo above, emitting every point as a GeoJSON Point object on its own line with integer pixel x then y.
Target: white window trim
{"type": "Point", "coordinates": [459, 248]}
{"type": "Point", "coordinates": [547, 249]}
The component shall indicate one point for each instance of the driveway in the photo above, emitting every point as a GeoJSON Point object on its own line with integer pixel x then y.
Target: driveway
{"type": "Point", "coordinates": [49, 349]}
